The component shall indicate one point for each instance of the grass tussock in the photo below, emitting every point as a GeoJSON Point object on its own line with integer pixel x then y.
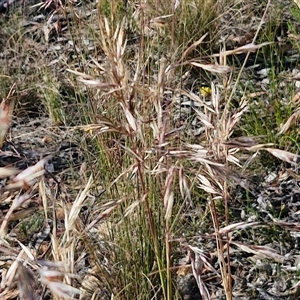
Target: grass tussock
{"type": "Point", "coordinates": [159, 180]}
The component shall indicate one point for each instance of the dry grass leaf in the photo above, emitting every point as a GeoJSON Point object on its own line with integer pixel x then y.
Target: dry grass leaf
{"type": "Point", "coordinates": [130, 119]}
{"type": "Point", "coordinates": [26, 283]}
{"type": "Point", "coordinates": [90, 284]}
{"type": "Point", "coordinates": [199, 262]}
{"type": "Point", "coordinates": [184, 270]}
{"type": "Point", "coordinates": [47, 28]}
{"type": "Point", "coordinates": [31, 172]}
{"type": "Point", "coordinates": [6, 112]}
{"type": "Point", "coordinates": [159, 22]}
{"type": "Point", "coordinates": [297, 2]}
{"type": "Point", "coordinates": [236, 117]}
{"type": "Point", "coordinates": [169, 194]}
{"type": "Point", "coordinates": [253, 95]}
{"type": "Point", "coordinates": [8, 171]}
{"type": "Point", "coordinates": [262, 251]}
{"type": "Point", "coordinates": [193, 46]}
{"type": "Point", "coordinates": [23, 213]}
{"type": "Point", "coordinates": [228, 175]}
{"type": "Point", "coordinates": [213, 68]}
{"type": "Point", "coordinates": [130, 209]}
{"type": "Point", "coordinates": [76, 207]}
{"type": "Point", "coordinates": [293, 37]}
{"type": "Point", "coordinates": [284, 155]}
{"type": "Point", "coordinates": [206, 185]}
{"type": "Point", "coordinates": [111, 206]}
{"type": "Point", "coordinates": [288, 124]}
{"type": "Point", "coordinates": [247, 143]}
{"type": "Point", "coordinates": [243, 49]}
{"type": "Point", "coordinates": [287, 225]}
{"type": "Point", "coordinates": [169, 199]}
{"type": "Point", "coordinates": [97, 83]}
{"type": "Point", "coordinates": [296, 98]}
{"type": "Point", "coordinates": [237, 226]}
{"type": "Point", "coordinates": [26, 178]}
{"type": "Point", "coordinates": [204, 119]}
{"type": "Point", "coordinates": [206, 161]}
{"type": "Point", "coordinates": [241, 142]}
{"type": "Point", "coordinates": [52, 279]}
{"type": "Point", "coordinates": [184, 186]}
{"type": "Point", "coordinates": [231, 158]}
{"type": "Point", "coordinates": [82, 75]}
{"type": "Point", "coordinates": [18, 201]}
{"type": "Point", "coordinates": [103, 126]}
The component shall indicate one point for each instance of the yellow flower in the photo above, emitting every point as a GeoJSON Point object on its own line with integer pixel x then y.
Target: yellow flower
{"type": "Point", "coordinates": [205, 91]}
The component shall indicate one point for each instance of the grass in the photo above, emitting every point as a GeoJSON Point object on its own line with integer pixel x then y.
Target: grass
{"type": "Point", "coordinates": [149, 192]}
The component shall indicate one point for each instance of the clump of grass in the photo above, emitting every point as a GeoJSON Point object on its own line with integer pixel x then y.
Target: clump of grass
{"type": "Point", "coordinates": [132, 120]}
